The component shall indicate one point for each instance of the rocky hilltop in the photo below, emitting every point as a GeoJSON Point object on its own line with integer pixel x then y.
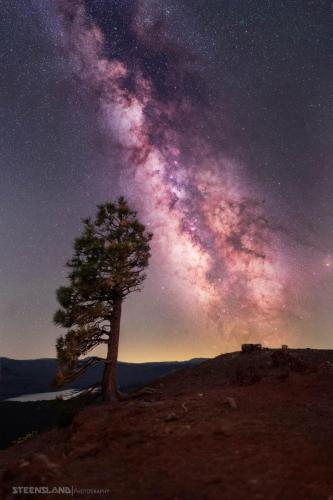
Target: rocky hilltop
{"type": "Point", "coordinates": [240, 426]}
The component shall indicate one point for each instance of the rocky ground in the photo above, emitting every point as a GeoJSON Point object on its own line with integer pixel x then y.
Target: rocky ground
{"type": "Point", "coordinates": [240, 426]}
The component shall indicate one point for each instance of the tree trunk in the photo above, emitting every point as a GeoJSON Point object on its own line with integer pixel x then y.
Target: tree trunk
{"type": "Point", "coordinates": [109, 386]}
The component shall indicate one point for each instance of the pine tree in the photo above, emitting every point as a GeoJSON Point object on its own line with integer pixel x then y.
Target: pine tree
{"type": "Point", "coordinates": [108, 263]}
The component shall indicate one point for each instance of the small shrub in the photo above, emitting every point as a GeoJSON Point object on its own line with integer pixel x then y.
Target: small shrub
{"type": "Point", "coordinates": [26, 437]}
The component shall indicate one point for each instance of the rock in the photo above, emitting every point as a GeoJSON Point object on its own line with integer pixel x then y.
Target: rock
{"type": "Point", "coordinates": [148, 390]}
{"type": "Point", "coordinates": [37, 469]}
{"type": "Point", "coordinates": [148, 403]}
{"type": "Point", "coordinates": [39, 463]}
{"type": "Point", "coordinates": [171, 417]}
{"type": "Point", "coordinates": [225, 429]}
{"type": "Point", "coordinates": [145, 391]}
{"type": "Point", "coordinates": [231, 403]}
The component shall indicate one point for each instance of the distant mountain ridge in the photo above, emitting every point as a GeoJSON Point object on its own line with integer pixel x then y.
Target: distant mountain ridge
{"type": "Point", "coordinates": [19, 377]}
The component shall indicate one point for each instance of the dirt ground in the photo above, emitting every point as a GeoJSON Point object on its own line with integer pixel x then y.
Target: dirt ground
{"type": "Point", "coordinates": [240, 426]}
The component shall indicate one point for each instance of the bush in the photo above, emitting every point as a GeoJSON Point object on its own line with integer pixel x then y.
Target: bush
{"type": "Point", "coordinates": [25, 438]}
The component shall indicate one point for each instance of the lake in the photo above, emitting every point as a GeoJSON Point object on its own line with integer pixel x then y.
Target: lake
{"type": "Point", "coordinates": [46, 396]}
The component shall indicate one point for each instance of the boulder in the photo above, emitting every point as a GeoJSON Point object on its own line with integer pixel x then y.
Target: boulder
{"type": "Point", "coordinates": [230, 403]}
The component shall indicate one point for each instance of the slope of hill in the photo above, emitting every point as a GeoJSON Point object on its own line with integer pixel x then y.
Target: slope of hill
{"type": "Point", "coordinates": [18, 377]}
{"type": "Point", "coordinates": [240, 426]}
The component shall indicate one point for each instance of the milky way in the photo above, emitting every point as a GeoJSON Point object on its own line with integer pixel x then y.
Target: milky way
{"type": "Point", "coordinates": [214, 119]}
{"type": "Point", "coordinates": [210, 227]}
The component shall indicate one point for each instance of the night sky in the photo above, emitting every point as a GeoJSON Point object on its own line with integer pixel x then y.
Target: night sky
{"type": "Point", "coordinates": [214, 119]}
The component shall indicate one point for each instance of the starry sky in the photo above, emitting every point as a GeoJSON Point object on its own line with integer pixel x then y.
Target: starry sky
{"type": "Point", "coordinates": [214, 119]}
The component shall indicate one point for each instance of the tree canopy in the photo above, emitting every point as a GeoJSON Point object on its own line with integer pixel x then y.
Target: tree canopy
{"type": "Point", "coordinates": [108, 263]}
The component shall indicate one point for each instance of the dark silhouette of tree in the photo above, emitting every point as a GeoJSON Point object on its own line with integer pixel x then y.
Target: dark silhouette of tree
{"type": "Point", "coordinates": [108, 263]}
